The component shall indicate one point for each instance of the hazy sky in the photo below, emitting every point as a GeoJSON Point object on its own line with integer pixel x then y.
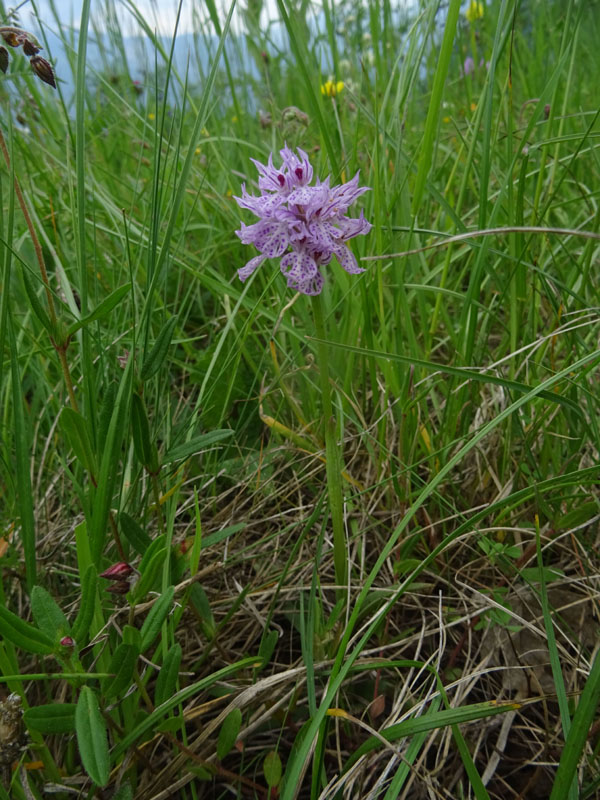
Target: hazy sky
{"type": "Point", "coordinates": [161, 14]}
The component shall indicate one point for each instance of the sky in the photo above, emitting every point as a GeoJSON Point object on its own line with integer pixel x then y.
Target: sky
{"type": "Point", "coordinates": [161, 14]}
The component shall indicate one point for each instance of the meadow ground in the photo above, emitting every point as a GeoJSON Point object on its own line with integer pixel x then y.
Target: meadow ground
{"type": "Point", "coordinates": [267, 538]}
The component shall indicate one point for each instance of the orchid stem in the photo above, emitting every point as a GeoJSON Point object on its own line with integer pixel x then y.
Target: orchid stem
{"type": "Point", "coordinates": [333, 459]}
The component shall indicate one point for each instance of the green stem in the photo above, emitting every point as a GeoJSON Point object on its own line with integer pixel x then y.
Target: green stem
{"type": "Point", "coordinates": [333, 460]}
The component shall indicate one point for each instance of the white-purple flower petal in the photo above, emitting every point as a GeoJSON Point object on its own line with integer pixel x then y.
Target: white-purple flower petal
{"type": "Point", "coordinates": [252, 265]}
{"type": "Point", "coordinates": [305, 225]}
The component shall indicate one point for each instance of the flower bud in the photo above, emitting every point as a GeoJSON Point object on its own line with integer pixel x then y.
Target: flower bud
{"type": "Point", "coordinates": [67, 641]}
{"type": "Point", "coordinates": [11, 37]}
{"type": "Point", "coordinates": [119, 587]}
{"type": "Point", "coordinates": [120, 570]}
{"type": "Point", "coordinates": [29, 48]}
{"type": "Point", "coordinates": [43, 69]}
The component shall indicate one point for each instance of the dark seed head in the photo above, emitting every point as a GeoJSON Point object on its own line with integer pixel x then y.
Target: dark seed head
{"type": "Point", "coordinates": [43, 69]}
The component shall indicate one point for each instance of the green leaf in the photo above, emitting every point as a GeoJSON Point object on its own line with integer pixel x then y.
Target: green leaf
{"type": "Point", "coordinates": [195, 445]}
{"type": "Point", "coordinates": [109, 465]}
{"type": "Point", "coordinates": [166, 683]}
{"type": "Point", "coordinates": [91, 737]}
{"type": "Point", "coordinates": [267, 646]}
{"type": "Point", "coordinates": [85, 615]}
{"type": "Point", "coordinates": [272, 769]}
{"type": "Point", "coordinates": [144, 447]}
{"type": "Point", "coordinates": [156, 617]}
{"type": "Point", "coordinates": [46, 613]}
{"type": "Point", "coordinates": [149, 574]}
{"type": "Point", "coordinates": [229, 732]}
{"type": "Point", "coordinates": [124, 792]}
{"type": "Point", "coordinates": [170, 724]}
{"type": "Point", "coordinates": [578, 734]}
{"type": "Point", "coordinates": [577, 516]}
{"type": "Point", "coordinates": [132, 636]}
{"type": "Point", "coordinates": [24, 635]}
{"type": "Point", "coordinates": [36, 306]}
{"type": "Point", "coordinates": [201, 605]}
{"type": "Point", "coordinates": [134, 533]}
{"type": "Point", "coordinates": [156, 356]}
{"type": "Point", "coordinates": [122, 664]}
{"type": "Point", "coordinates": [76, 432]}
{"type": "Point", "coordinates": [105, 307]}
{"type": "Point", "coordinates": [149, 722]}
{"type": "Point", "coordinates": [51, 718]}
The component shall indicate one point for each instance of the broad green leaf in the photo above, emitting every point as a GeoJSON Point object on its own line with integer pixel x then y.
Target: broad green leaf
{"type": "Point", "coordinates": [46, 613]}
{"type": "Point", "coordinates": [134, 533]}
{"type": "Point", "coordinates": [122, 664]}
{"type": "Point", "coordinates": [229, 732]}
{"type": "Point", "coordinates": [195, 445]}
{"type": "Point", "coordinates": [149, 574]}
{"type": "Point", "coordinates": [105, 307]}
{"type": "Point", "coordinates": [577, 516]}
{"type": "Point", "coordinates": [144, 447]}
{"type": "Point", "coordinates": [154, 360]}
{"type": "Point", "coordinates": [272, 769]}
{"type": "Point", "coordinates": [51, 718]}
{"type": "Point", "coordinates": [85, 615]}
{"type": "Point", "coordinates": [201, 605]}
{"type": "Point", "coordinates": [132, 636]}
{"type": "Point", "coordinates": [166, 683]}
{"type": "Point", "coordinates": [91, 737]}
{"type": "Point", "coordinates": [24, 635]}
{"type": "Point", "coordinates": [75, 428]}
{"type": "Point", "coordinates": [156, 617]}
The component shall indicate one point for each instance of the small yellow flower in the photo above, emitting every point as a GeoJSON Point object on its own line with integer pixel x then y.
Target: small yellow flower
{"type": "Point", "coordinates": [234, 119]}
{"type": "Point", "coordinates": [331, 89]}
{"type": "Point", "coordinates": [151, 116]}
{"type": "Point", "coordinates": [446, 120]}
{"type": "Point", "coordinates": [473, 106]}
{"type": "Point", "coordinates": [197, 151]}
{"type": "Point", "coordinates": [474, 11]}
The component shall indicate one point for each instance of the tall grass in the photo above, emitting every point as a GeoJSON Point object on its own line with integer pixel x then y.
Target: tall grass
{"type": "Point", "coordinates": [165, 430]}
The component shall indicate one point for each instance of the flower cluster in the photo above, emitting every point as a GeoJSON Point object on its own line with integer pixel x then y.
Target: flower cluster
{"type": "Point", "coordinates": [474, 11]}
{"type": "Point", "coordinates": [331, 88]}
{"type": "Point", "coordinates": [17, 37]}
{"type": "Point", "coordinates": [304, 224]}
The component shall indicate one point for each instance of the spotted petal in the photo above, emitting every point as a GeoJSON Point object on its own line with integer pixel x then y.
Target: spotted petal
{"type": "Point", "coordinates": [246, 271]}
{"type": "Point", "coordinates": [347, 260]}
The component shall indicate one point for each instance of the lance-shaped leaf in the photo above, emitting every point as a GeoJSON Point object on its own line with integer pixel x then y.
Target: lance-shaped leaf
{"type": "Point", "coordinates": [76, 431]}
{"type": "Point", "coordinates": [91, 737]}
{"type": "Point", "coordinates": [102, 310]}
{"type": "Point", "coordinates": [158, 352]}
{"type": "Point", "coordinates": [144, 447]}
{"type": "Point", "coordinates": [51, 718]}
{"type": "Point", "coordinates": [156, 617]}
{"type": "Point", "coordinates": [24, 635]}
{"type": "Point", "coordinates": [46, 613]}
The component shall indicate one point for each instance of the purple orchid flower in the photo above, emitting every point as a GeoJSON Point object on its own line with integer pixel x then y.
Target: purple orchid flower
{"type": "Point", "coordinates": [304, 225]}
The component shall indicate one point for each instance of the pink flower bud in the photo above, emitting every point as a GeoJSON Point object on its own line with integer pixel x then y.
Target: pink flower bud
{"type": "Point", "coordinates": [119, 587]}
{"type": "Point", "coordinates": [67, 641]}
{"type": "Point", "coordinates": [120, 570]}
